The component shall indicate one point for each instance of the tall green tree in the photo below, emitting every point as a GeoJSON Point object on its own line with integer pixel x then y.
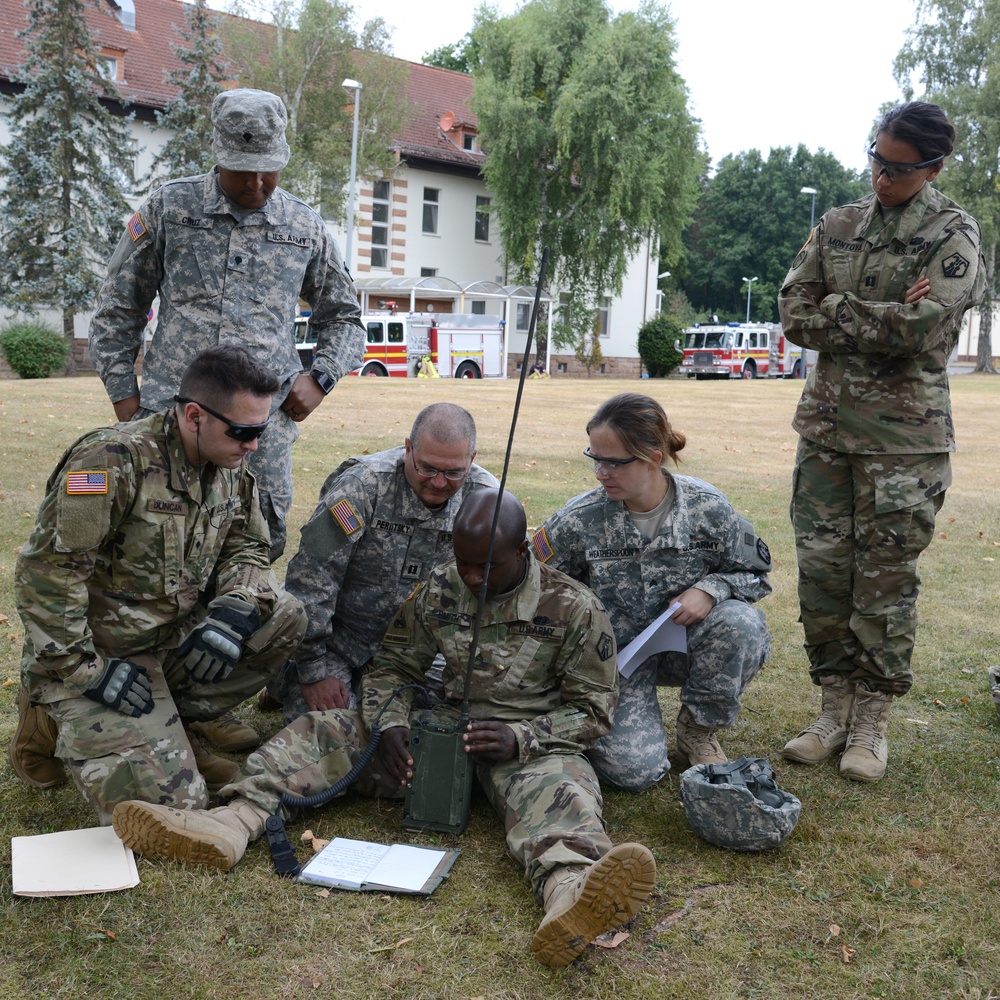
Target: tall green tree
{"type": "Point", "coordinates": [461, 56]}
{"type": "Point", "coordinates": [954, 49]}
{"type": "Point", "coordinates": [592, 148]}
{"type": "Point", "coordinates": [61, 173]}
{"type": "Point", "coordinates": [752, 219]}
{"type": "Point", "coordinates": [303, 55]}
{"type": "Point", "coordinates": [188, 116]}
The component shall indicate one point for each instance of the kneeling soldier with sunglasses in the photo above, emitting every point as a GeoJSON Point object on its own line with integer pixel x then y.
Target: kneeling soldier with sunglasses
{"type": "Point", "coordinates": [147, 597]}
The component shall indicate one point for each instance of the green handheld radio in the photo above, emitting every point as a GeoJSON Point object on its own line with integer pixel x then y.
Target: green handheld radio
{"type": "Point", "coordinates": [439, 795]}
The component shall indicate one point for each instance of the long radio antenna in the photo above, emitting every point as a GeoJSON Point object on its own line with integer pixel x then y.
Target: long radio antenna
{"type": "Point", "coordinates": [474, 645]}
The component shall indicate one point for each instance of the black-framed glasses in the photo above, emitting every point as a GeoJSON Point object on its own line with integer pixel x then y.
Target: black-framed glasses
{"type": "Point", "coordinates": [609, 466]}
{"type": "Point", "coordinates": [239, 432]}
{"type": "Point", "coordinates": [429, 472]}
{"type": "Point", "coordinates": [901, 170]}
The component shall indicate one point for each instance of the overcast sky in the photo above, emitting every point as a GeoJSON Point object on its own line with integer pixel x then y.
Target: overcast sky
{"type": "Point", "coordinates": [763, 74]}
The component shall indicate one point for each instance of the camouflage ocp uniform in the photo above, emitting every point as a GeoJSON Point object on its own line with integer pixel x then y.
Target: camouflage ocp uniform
{"type": "Point", "coordinates": [545, 666]}
{"type": "Point", "coordinates": [369, 542]}
{"type": "Point", "coordinates": [875, 422]}
{"type": "Point", "coordinates": [701, 543]}
{"type": "Point", "coordinates": [127, 540]}
{"type": "Point", "coordinates": [226, 275]}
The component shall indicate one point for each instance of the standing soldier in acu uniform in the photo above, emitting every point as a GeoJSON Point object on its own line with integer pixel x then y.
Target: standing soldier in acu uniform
{"type": "Point", "coordinates": [383, 522]}
{"type": "Point", "coordinates": [880, 290]}
{"type": "Point", "coordinates": [230, 253]}
{"type": "Point", "coordinates": [147, 596]}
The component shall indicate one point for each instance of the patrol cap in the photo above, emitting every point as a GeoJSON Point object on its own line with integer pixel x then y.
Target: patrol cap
{"type": "Point", "coordinates": [250, 130]}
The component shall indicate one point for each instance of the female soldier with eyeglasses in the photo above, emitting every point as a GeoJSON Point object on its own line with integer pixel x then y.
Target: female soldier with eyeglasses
{"type": "Point", "coordinates": [879, 290]}
{"type": "Point", "coordinates": [644, 540]}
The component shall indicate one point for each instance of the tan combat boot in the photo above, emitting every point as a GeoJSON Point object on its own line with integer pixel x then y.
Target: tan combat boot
{"type": "Point", "coordinates": [210, 838]}
{"type": "Point", "coordinates": [828, 733]}
{"type": "Point", "coordinates": [32, 749]}
{"type": "Point", "coordinates": [867, 747]}
{"type": "Point", "coordinates": [583, 901]}
{"type": "Point", "coordinates": [696, 743]}
{"type": "Point", "coordinates": [228, 732]}
{"type": "Point", "coordinates": [217, 771]}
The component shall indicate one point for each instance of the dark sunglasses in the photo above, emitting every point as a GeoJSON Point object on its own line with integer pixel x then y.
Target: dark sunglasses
{"type": "Point", "coordinates": [899, 169]}
{"type": "Point", "coordinates": [240, 432]}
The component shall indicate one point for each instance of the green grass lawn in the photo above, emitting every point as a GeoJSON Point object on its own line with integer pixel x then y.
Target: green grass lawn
{"type": "Point", "coordinates": [884, 890]}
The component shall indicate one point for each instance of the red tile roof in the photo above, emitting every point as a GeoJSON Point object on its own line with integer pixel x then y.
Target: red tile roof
{"type": "Point", "coordinates": [149, 55]}
{"type": "Point", "coordinates": [148, 51]}
{"type": "Point", "coordinates": [432, 94]}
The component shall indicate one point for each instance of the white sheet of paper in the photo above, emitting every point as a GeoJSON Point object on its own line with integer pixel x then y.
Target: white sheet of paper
{"type": "Point", "coordinates": [71, 862]}
{"type": "Point", "coordinates": [405, 867]}
{"type": "Point", "coordinates": [659, 636]}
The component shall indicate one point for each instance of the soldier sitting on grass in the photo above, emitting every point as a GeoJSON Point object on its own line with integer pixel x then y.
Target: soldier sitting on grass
{"type": "Point", "coordinates": [544, 688]}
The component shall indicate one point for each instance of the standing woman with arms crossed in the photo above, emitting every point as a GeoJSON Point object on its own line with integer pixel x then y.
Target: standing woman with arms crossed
{"type": "Point", "coordinates": [879, 290]}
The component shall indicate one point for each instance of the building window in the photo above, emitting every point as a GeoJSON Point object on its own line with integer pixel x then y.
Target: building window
{"type": "Point", "coordinates": [523, 317]}
{"type": "Point", "coordinates": [381, 197]}
{"type": "Point", "coordinates": [479, 307]}
{"type": "Point", "coordinates": [604, 318]}
{"type": "Point", "coordinates": [470, 142]}
{"type": "Point", "coordinates": [124, 170]}
{"type": "Point", "coordinates": [482, 220]}
{"type": "Point", "coordinates": [431, 211]}
{"type": "Point", "coordinates": [109, 65]}
{"type": "Point", "coordinates": [562, 367]}
{"type": "Point", "coordinates": [428, 272]}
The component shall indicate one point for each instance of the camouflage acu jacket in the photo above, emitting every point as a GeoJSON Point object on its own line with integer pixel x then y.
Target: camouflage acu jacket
{"type": "Point", "coordinates": [126, 539]}
{"type": "Point", "coordinates": [366, 546]}
{"type": "Point", "coordinates": [702, 543]}
{"type": "Point", "coordinates": [221, 278]}
{"type": "Point", "coordinates": [546, 661]}
{"type": "Point", "coordinates": [880, 384]}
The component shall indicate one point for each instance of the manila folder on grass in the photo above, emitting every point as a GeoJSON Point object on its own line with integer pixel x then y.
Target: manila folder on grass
{"type": "Point", "coordinates": [71, 862]}
{"type": "Point", "coordinates": [366, 867]}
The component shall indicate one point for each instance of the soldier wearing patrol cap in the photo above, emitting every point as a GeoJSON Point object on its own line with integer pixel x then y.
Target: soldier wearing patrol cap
{"type": "Point", "coordinates": [147, 596]}
{"type": "Point", "coordinates": [383, 521]}
{"type": "Point", "coordinates": [643, 540]}
{"type": "Point", "coordinates": [879, 289]}
{"type": "Point", "coordinates": [230, 254]}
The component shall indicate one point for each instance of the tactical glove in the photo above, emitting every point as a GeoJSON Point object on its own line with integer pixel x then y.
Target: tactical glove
{"type": "Point", "coordinates": [214, 646]}
{"type": "Point", "coordinates": [124, 687]}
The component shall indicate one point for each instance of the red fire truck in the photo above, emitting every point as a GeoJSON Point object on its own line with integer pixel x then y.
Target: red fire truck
{"type": "Point", "coordinates": [457, 345]}
{"type": "Point", "coordinates": [742, 350]}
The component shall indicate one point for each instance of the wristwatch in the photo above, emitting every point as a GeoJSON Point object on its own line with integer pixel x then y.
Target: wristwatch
{"type": "Point", "coordinates": [324, 380]}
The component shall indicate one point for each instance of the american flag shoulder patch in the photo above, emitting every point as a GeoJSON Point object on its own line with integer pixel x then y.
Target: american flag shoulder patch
{"type": "Point", "coordinates": [135, 227]}
{"type": "Point", "coordinates": [345, 516]}
{"type": "Point", "coordinates": [543, 550]}
{"type": "Point", "coordinates": [83, 483]}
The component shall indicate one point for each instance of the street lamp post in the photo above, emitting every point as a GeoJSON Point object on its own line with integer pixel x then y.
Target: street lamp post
{"type": "Point", "coordinates": [749, 282]}
{"type": "Point", "coordinates": [356, 87]}
{"type": "Point", "coordinates": [812, 211]}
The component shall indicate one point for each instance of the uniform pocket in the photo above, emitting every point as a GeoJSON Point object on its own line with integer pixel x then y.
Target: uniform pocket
{"type": "Point", "coordinates": [147, 560]}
